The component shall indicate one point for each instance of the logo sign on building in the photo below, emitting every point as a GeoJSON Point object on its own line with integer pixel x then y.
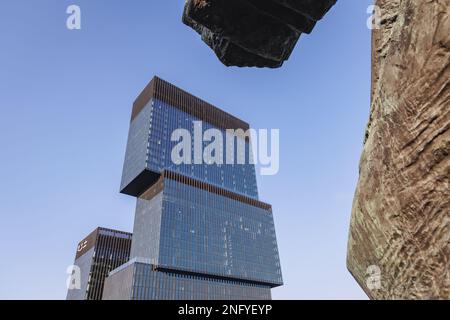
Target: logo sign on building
{"type": "Point", "coordinates": [86, 244]}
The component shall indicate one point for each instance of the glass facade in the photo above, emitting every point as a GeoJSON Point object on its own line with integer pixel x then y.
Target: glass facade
{"type": "Point", "coordinates": [200, 231]}
{"type": "Point", "coordinates": [141, 281]}
{"type": "Point", "coordinates": [136, 154]}
{"type": "Point", "coordinates": [147, 225]}
{"type": "Point", "coordinates": [187, 228]}
{"type": "Point", "coordinates": [150, 147]}
{"type": "Point", "coordinates": [209, 233]}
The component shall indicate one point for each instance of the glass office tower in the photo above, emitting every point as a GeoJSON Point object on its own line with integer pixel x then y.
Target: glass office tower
{"type": "Point", "coordinates": [99, 253]}
{"type": "Point", "coordinates": [200, 231]}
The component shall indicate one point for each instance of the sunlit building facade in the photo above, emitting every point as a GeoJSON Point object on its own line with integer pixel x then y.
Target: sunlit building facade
{"type": "Point", "coordinates": [200, 231]}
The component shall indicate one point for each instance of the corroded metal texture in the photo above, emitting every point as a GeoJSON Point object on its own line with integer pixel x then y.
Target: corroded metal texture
{"type": "Point", "coordinates": [401, 211]}
{"type": "Point", "coordinates": [253, 33]}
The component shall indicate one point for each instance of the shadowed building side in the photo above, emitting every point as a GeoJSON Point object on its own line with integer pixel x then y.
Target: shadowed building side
{"type": "Point", "coordinates": [100, 252]}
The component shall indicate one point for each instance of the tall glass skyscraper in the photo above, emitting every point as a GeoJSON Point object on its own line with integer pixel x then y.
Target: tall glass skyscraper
{"type": "Point", "coordinates": [200, 231]}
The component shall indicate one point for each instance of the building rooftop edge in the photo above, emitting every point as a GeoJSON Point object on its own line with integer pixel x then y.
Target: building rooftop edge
{"type": "Point", "coordinates": [158, 186]}
{"type": "Point", "coordinates": [156, 267]}
{"type": "Point", "coordinates": [165, 91]}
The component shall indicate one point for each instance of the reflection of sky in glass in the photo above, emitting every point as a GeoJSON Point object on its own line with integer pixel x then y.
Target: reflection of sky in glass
{"type": "Point", "coordinates": [150, 142]}
{"type": "Point", "coordinates": [65, 107]}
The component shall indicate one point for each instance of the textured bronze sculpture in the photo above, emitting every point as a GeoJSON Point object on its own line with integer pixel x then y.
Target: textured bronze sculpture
{"type": "Point", "coordinates": [400, 224]}
{"type": "Point", "coordinates": [253, 33]}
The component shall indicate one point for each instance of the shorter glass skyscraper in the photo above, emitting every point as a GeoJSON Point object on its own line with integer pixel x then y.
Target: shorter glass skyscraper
{"type": "Point", "coordinates": [200, 231]}
{"type": "Point", "coordinates": [99, 253]}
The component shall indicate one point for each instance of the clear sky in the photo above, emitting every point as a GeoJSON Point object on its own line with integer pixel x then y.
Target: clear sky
{"type": "Point", "coordinates": [66, 96]}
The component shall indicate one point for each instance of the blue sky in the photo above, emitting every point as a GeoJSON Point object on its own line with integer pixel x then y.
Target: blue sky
{"type": "Point", "coordinates": [65, 100]}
